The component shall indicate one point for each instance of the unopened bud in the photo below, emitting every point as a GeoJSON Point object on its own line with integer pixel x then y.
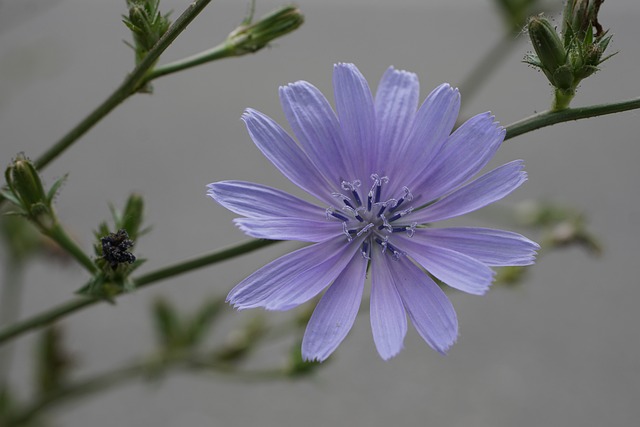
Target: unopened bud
{"type": "Point", "coordinates": [548, 46]}
{"type": "Point", "coordinates": [249, 38]}
{"type": "Point", "coordinates": [24, 182]}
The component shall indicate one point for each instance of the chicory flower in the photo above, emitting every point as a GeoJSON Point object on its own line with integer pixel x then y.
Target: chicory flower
{"type": "Point", "coordinates": [383, 171]}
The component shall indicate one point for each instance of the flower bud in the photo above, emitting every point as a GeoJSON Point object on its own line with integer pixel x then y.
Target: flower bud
{"type": "Point", "coordinates": [550, 51]}
{"type": "Point", "coordinates": [24, 182]}
{"type": "Point", "coordinates": [249, 38]}
{"type": "Point", "coordinates": [577, 55]}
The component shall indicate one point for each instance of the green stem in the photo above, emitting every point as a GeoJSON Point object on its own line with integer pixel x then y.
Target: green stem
{"type": "Point", "coordinates": [562, 99]}
{"type": "Point", "coordinates": [548, 118]}
{"type": "Point", "coordinates": [223, 50]}
{"type": "Point", "coordinates": [62, 310]}
{"type": "Point", "coordinates": [129, 86]}
{"type": "Point", "coordinates": [60, 236]}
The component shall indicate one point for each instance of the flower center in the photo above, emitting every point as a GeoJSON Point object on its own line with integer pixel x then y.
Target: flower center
{"type": "Point", "coordinates": [372, 217]}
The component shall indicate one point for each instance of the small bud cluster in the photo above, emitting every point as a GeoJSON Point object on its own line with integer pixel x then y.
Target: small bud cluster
{"type": "Point", "coordinates": [147, 25]}
{"type": "Point", "coordinates": [115, 248]}
{"type": "Point", "coordinates": [569, 58]}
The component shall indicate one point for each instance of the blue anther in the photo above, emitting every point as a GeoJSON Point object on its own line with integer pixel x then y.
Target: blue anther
{"type": "Point", "coordinates": [396, 216]}
{"type": "Point", "coordinates": [339, 216]}
{"type": "Point", "coordinates": [365, 250]}
{"type": "Point", "coordinates": [356, 197]}
{"type": "Point", "coordinates": [398, 203]}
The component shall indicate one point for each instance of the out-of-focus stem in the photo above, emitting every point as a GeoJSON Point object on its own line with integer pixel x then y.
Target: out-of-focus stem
{"type": "Point", "coordinates": [10, 301]}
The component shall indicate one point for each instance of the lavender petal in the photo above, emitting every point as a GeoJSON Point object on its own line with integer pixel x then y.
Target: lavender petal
{"type": "Point", "coordinates": [485, 190]}
{"type": "Point", "coordinates": [354, 106]}
{"type": "Point", "coordinates": [303, 230]}
{"type": "Point", "coordinates": [316, 126]}
{"type": "Point", "coordinates": [466, 151]}
{"type": "Point", "coordinates": [293, 278]}
{"type": "Point", "coordinates": [491, 247]}
{"type": "Point", "coordinates": [388, 318]}
{"type": "Point", "coordinates": [432, 126]}
{"type": "Point", "coordinates": [334, 315]}
{"type": "Point", "coordinates": [259, 201]}
{"type": "Point", "coordinates": [284, 153]}
{"type": "Point", "coordinates": [396, 103]}
{"type": "Point", "coordinates": [453, 268]}
{"type": "Point", "coordinates": [428, 307]}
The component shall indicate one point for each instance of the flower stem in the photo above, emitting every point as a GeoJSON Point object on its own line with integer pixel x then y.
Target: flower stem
{"type": "Point", "coordinates": [551, 117]}
{"type": "Point", "coordinates": [562, 99]}
{"type": "Point", "coordinates": [221, 51]}
{"type": "Point", "coordinates": [57, 233]}
{"type": "Point", "coordinates": [69, 307]}
{"type": "Point", "coordinates": [129, 86]}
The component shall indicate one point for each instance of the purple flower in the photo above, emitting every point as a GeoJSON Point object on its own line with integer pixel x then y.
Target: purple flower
{"type": "Point", "coordinates": [383, 170]}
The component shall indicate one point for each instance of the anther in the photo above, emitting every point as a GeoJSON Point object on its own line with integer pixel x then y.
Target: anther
{"type": "Point", "coordinates": [346, 231]}
{"type": "Point", "coordinates": [331, 213]}
{"type": "Point", "coordinates": [353, 186]}
{"type": "Point", "coordinates": [401, 214]}
{"type": "Point", "coordinates": [385, 224]}
{"type": "Point", "coordinates": [365, 250]}
{"type": "Point", "coordinates": [354, 211]}
{"type": "Point", "coordinates": [406, 196]}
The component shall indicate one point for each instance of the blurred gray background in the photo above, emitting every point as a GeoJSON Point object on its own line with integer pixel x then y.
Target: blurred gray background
{"type": "Point", "coordinates": [562, 349]}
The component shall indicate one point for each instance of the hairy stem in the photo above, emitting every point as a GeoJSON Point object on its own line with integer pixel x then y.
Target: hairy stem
{"type": "Point", "coordinates": [548, 118]}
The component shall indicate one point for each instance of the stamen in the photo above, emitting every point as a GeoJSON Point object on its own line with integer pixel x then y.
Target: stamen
{"type": "Point", "coordinates": [346, 231]}
{"type": "Point", "coordinates": [385, 224]}
{"type": "Point", "coordinates": [406, 196]}
{"type": "Point", "coordinates": [411, 230]}
{"type": "Point", "coordinates": [376, 189]}
{"type": "Point", "coordinates": [365, 250]}
{"type": "Point", "coordinates": [354, 212]}
{"type": "Point", "coordinates": [364, 229]}
{"type": "Point", "coordinates": [353, 186]}
{"type": "Point", "coordinates": [384, 243]}
{"type": "Point", "coordinates": [332, 213]}
{"type": "Point", "coordinates": [401, 214]}
{"type": "Point", "coordinates": [346, 200]}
